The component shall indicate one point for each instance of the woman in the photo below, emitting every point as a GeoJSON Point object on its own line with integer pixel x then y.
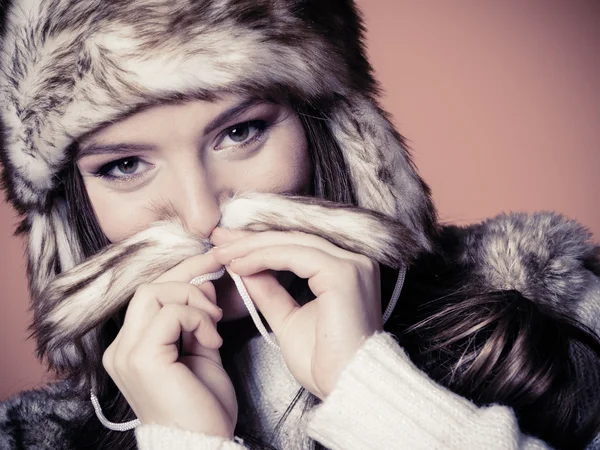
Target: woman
{"type": "Point", "coordinates": [139, 135]}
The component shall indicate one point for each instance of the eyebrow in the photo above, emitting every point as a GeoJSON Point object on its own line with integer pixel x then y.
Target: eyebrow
{"type": "Point", "coordinates": [100, 149]}
{"type": "Point", "coordinates": [230, 113]}
{"type": "Point", "coordinates": [220, 120]}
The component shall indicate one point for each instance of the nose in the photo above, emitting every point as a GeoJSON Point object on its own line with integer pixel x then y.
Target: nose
{"type": "Point", "coordinates": [196, 201]}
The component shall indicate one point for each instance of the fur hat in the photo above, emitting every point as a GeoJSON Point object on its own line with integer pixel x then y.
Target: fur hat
{"type": "Point", "coordinates": [68, 67]}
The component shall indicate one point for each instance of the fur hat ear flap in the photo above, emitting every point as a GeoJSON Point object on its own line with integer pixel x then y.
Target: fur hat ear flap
{"type": "Point", "coordinates": [382, 172]}
{"type": "Point", "coordinates": [52, 247]}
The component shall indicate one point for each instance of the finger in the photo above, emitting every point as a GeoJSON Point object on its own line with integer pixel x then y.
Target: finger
{"type": "Point", "coordinates": [306, 262]}
{"type": "Point", "coordinates": [209, 291]}
{"type": "Point", "coordinates": [190, 268]}
{"type": "Point", "coordinates": [108, 358]}
{"type": "Point", "coordinates": [159, 338]}
{"type": "Point", "coordinates": [222, 236]}
{"type": "Point", "coordinates": [114, 360]}
{"type": "Point", "coordinates": [253, 241]}
{"type": "Point", "coordinates": [149, 299]}
{"type": "Point", "coordinates": [191, 347]}
{"type": "Point", "coordinates": [271, 299]}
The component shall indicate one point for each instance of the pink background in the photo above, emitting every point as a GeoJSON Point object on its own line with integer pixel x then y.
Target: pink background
{"type": "Point", "coordinates": [500, 101]}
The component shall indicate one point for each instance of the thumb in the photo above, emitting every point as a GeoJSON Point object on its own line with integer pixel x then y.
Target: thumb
{"type": "Point", "coordinates": [271, 299]}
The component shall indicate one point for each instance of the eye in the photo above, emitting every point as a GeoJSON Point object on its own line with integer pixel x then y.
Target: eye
{"type": "Point", "coordinates": [122, 169]}
{"type": "Point", "coordinates": [239, 133]}
{"type": "Point", "coordinates": [127, 166]}
{"type": "Point", "coordinates": [242, 134]}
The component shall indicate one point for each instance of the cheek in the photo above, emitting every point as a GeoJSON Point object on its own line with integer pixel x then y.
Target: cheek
{"type": "Point", "coordinates": [299, 168]}
{"type": "Point", "coordinates": [284, 164]}
{"type": "Point", "coordinates": [119, 216]}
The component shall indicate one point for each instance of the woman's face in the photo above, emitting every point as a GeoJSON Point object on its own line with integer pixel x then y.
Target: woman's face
{"type": "Point", "coordinates": [189, 158]}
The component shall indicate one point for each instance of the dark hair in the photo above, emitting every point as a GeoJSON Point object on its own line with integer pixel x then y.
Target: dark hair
{"type": "Point", "coordinates": [490, 347]}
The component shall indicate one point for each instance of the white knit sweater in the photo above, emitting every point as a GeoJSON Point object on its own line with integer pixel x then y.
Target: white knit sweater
{"type": "Point", "coordinates": [381, 401]}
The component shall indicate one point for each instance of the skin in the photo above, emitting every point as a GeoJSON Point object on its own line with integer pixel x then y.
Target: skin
{"type": "Point", "coordinates": [179, 165]}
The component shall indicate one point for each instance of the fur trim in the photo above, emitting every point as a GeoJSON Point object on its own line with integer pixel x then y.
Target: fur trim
{"type": "Point", "coordinates": [356, 229]}
{"type": "Point", "coordinates": [52, 247]}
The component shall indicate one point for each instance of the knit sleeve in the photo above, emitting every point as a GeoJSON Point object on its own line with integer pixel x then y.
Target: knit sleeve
{"type": "Point", "coordinates": [382, 401]}
{"type": "Point", "coordinates": [157, 437]}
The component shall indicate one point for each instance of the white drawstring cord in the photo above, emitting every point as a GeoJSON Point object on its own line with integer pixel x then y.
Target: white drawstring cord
{"type": "Point", "coordinates": [252, 309]}
{"type": "Point", "coordinates": [395, 295]}
{"type": "Point", "coordinates": [126, 426]}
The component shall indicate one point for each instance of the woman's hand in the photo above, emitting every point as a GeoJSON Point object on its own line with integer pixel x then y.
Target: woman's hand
{"type": "Point", "coordinates": [320, 338]}
{"type": "Point", "coordinates": [191, 392]}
